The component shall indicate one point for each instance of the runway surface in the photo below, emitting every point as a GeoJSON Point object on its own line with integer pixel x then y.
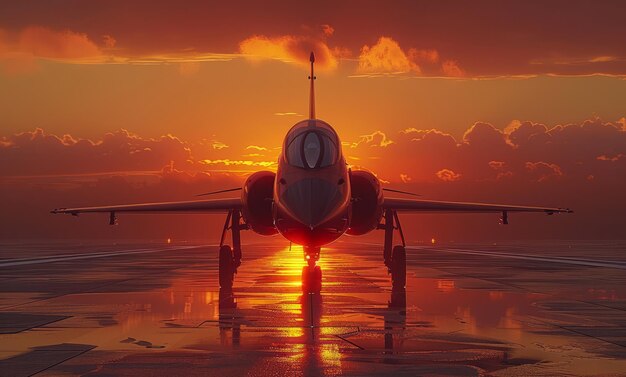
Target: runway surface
{"type": "Point", "coordinates": [549, 308]}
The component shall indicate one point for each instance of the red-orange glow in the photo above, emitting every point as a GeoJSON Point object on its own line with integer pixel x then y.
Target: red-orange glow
{"type": "Point", "coordinates": [413, 100]}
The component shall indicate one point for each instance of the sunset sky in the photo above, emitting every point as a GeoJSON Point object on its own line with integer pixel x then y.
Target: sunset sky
{"type": "Point", "coordinates": [504, 101]}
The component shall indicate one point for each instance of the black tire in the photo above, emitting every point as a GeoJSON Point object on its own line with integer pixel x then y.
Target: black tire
{"type": "Point", "coordinates": [226, 267]}
{"type": "Point", "coordinates": [398, 268]}
{"type": "Point", "coordinates": [311, 279]}
{"type": "Point", "coordinates": [316, 280]}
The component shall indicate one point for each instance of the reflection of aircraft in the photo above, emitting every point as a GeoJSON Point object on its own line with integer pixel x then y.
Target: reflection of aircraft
{"type": "Point", "coordinates": [312, 199]}
{"type": "Point", "coordinates": [395, 319]}
{"type": "Point", "coordinates": [229, 320]}
{"type": "Point", "coordinates": [313, 360]}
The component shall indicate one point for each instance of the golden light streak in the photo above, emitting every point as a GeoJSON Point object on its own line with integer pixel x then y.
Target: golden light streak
{"type": "Point", "coordinates": [289, 263]}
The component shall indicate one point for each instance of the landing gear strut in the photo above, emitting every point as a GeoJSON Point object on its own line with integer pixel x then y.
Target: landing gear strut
{"type": "Point", "coordinates": [311, 274]}
{"type": "Point", "coordinates": [230, 258]}
{"type": "Point", "coordinates": [394, 256]}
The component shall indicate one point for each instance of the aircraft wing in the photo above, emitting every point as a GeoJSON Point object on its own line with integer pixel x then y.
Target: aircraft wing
{"type": "Point", "coordinates": [417, 205]}
{"type": "Point", "coordinates": [198, 206]}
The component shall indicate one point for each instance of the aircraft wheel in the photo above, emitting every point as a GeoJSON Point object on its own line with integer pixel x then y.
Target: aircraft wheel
{"type": "Point", "coordinates": [311, 279]}
{"type": "Point", "coordinates": [226, 267]}
{"type": "Point", "coordinates": [316, 280]}
{"type": "Point", "coordinates": [305, 279]}
{"type": "Point", "coordinates": [398, 268]}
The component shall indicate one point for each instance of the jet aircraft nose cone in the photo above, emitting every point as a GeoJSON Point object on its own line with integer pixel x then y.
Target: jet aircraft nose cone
{"type": "Point", "coordinates": [312, 200]}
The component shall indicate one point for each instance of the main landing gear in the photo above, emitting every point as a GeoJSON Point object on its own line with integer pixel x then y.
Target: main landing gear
{"type": "Point", "coordinates": [394, 256]}
{"type": "Point", "coordinates": [230, 258]}
{"type": "Point", "coordinates": [311, 274]}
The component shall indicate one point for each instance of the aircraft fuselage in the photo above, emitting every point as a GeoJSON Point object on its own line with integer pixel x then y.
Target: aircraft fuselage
{"type": "Point", "coordinates": [312, 186]}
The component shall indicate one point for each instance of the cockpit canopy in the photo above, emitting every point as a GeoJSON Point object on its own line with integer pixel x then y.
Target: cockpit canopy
{"type": "Point", "coordinates": [311, 144]}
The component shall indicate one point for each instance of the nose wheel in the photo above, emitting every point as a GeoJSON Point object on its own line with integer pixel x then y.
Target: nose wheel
{"type": "Point", "coordinates": [311, 273]}
{"type": "Point", "coordinates": [311, 279]}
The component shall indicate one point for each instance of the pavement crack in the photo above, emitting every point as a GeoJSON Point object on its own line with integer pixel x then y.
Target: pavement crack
{"type": "Point", "coordinates": [350, 342]}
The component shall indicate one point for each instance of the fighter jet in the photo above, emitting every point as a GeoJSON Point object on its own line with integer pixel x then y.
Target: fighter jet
{"type": "Point", "coordinates": [312, 199]}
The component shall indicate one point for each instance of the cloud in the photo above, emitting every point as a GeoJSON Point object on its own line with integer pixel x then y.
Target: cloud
{"type": "Point", "coordinates": [31, 44]}
{"type": "Point", "coordinates": [577, 61]}
{"type": "Point", "coordinates": [611, 158]}
{"type": "Point", "coordinates": [523, 152]}
{"type": "Point", "coordinates": [19, 54]}
{"type": "Point", "coordinates": [375, 139]}
{"type": "Point", "coordinates": [427, 56]}
{"type": "Point", "coordinates": [289, 114]}
{"type": "Point", "coordinates": [21, 50]}
{"type": "Point", "coordinates": [569, 165]}
{"type": "Point", "coordinates": [451, 68]}
{"type": "Point", "coordinates": [328, 30]}
{"type": "Point", "coordinates": [256, 147]}
{"type": "Point", "coordinates": [492, 49]}
{"type": "Point", "coordinates": [520, 133]}
{"type": "Point", "coordinates": [41, 171]}
{"type": "Point", "coordinates": [289, 49]}
{"type": "Point", "coordinates": [501, 169]}
{"type": "Point", "coordinates": [245, 163]}
{"type": "Point", "coordinates": [385, 56]}
{"type": "Point", "coordinates": [543, 171]}
{"type": "Point", "coordinates": [109, 41]}
{"type": "Point", "coordinates": [37, 152]}
{"type": "Point", "coordinates": [448, 175]}
{"type": "Point", "coordinates": [51, 44]}
{"type": "Point", "coordinates": [216, 144]}
{"type": "Point", "coordinates": [579, 165]}
{"type": "Point", "coordinates": [497, 165]}
{"type": "Point", "coordinates": [206, 145]}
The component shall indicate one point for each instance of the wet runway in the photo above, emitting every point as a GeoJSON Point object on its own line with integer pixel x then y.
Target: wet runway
{"type": "Point", "coordinates": [550, 308]}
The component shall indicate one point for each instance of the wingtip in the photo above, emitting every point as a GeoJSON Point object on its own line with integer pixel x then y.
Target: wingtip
{"type": "Point", "coordinates": [566, 210]}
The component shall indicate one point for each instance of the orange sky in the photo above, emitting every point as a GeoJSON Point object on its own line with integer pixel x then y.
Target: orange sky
{"type": "Point", "coordinates": [498, 101]}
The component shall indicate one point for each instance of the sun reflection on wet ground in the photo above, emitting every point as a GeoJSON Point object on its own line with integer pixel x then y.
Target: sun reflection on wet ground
{"type": "Point", "coordinates": [161, 313]}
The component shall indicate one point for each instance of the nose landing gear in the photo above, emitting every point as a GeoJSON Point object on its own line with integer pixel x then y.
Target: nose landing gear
{"type": "Point", "coordinates": [311, 274]}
